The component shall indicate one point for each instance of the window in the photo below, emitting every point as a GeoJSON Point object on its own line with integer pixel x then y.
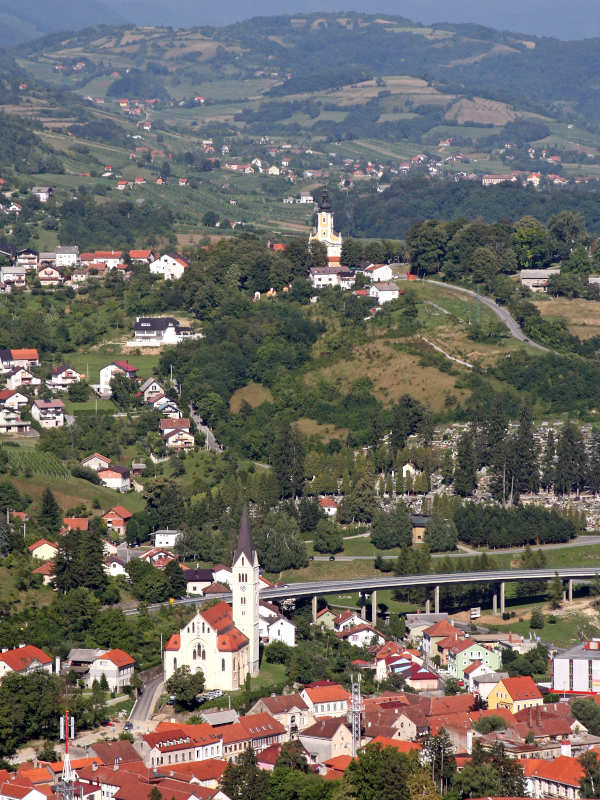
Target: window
{"type": "Point", "coordinates": [223, 665]}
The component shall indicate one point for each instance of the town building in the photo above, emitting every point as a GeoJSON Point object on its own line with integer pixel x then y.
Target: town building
{"type": "Point", "coordinates": [289, 710]}
{"type": "Point", "coordinates": [116, 519]}
{"type": "Point", "coordinates": [577, 669]}
{"type": "Point", "coordinates": [537, 280]}
{"type": "Point", "coordinates": [325, 699]}
{"type": "Point", "coordinates": [96, 462]}
{"type": "Point", "coordinates": [62, 377]}
{"type": "Point", "coordinates": [327, 738]}
{"type": "Point", "coordinates": [43, 550]}
{"type": "Point", "coordinates": [116, 477]}
{"type": "Point", "coordinates": [384, 292]}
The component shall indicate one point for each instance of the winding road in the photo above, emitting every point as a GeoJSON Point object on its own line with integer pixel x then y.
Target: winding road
{"type": "Point", "coordinates": [501, 312]}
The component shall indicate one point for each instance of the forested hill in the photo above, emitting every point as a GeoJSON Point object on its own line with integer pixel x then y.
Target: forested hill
{"type": "Point", "coordinates": [391, 213]}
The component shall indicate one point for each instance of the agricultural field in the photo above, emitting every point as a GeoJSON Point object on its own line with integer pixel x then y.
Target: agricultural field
{"type": "Point", "coordinates": [35, 462]}
{"type": "Point", "coordinates": [582, 316]}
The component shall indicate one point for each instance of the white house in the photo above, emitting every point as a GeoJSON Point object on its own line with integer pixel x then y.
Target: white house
{"type": "Point", "coordinates": [95, 462]}
{"type": "Point", "coordinates": [379, 272]}
{"type": "Point", "coordinates": [170, 266]}
{"type": "Point", "coordinates": [114, 567]}
{"type": "Point", "coordinates": [361, 635]}
{"type": "Point", "coordinates": [179, 440]}
{"type": "Point", "coordinates": [328, 506]}
{"type": "Point", "coordinates": [197, 580]}
{"type": "Point", "coordinates": [67, 256]}
{"type": "Point", "coordinates": [49, 413]}
{"type": "Point", "coordinates": [274, 627]}
{"type": "Point", "coordinates": [115, 477]}
{"type": "Point", "coordinates": [50, 276]}
{"type": "Point", "coordinates": [166, 538]}
{"type": "Point", "coordinates": [384, 292]}
{"type": "Point", "coordinates": [151, 388]}
{"type": "Point", "coordinates": [116, 666]}
{"type": "Point", "coordinates": [11, 422]}
{"type": "Point", "coordinates": [24, 659]}
{"type": "Point", "coordinates": [9, 398]}
{"type": "Point", "coordinates": [14, 275]}
{"type": "Point", "coordinates": [156, 331]}
{"type": "Point", "coordinates": [320, 277]}
{"type": "Point", "coordinates": [116, 368]}
{"type": "Point", "coordinates": [62, 377]}
{"type": "Point", "coordinates": [43, 193]}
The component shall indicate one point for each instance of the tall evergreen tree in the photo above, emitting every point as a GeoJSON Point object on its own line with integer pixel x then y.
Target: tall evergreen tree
{"type": "Point", "coordinates": [548, 462]}
{"type": "Point", "coordinates": [525, 467]}
{"type": "Point", "coordinates": [594, 465]}
{"type": "Point", "coordinates": [49, 516]}
{"type": "Point", "coordinates": [571, 467]}
{"type": "Point", "coordinates": [287, 458]}
{"type": "Point", "coordinates": [465, 480]}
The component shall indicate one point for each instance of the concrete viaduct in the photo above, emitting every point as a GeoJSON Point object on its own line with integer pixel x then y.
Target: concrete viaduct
{"type": "Point", "coordinates": [314, 589]}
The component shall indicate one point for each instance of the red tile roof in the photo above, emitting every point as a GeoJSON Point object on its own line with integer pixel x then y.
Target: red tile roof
{"type": "Point", "coordinates": [118, 657]}
{"type": "Point", "coordinates": [327, 694]}
{"type": "Point", "coordinates": [125, 365]}
{"type": "Point", "coordinates": [47, 568]}
{"type": "Point", "coordinates": [403, 747]}
{"type": "Point", "coordinates": [564, 770]}
{"type": "Point", "coordinates": [39, 543]}
{"type": "Point", "coordinates": [327, 502]}
{"type": "Point", "coordinates": [25, 354]}
{"type": "Point", "coordinates": [442, 628]}
{"type": "Point", "coordinates": [21, 658]}
{"type": "Point", "coordinates": [174, 643]}
{"type": "Point", "coordinates": [324, 728]}
{"type": "Point", "coordinates": [522, 688]}
{"type": "Point", "coordinates": [76, 523]}
{"type": "Point", "coordinates": [120, 511]}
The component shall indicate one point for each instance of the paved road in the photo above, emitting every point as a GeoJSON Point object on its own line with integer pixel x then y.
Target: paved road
{"type": "Point", "coordinates": [501, 312]}
{"type": "Point", "coordinates": [144, 705]}
{"type": "Point", "coordinates": [211, 442]}
{"type": "Point", "coordinates": [579, 541]}
{"type": "Point", "coordinates": [313, 588]}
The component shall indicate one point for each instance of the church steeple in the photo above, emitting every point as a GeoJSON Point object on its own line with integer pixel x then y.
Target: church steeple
{"type": "Point", "coordinates": [244, 544]}
{"type": "Point", "coordinates": [325, 205]}
{"type": "Point", "coordinates": [245, 591]}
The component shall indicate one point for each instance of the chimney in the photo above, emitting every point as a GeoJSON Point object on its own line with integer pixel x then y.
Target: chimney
{"type": "Point", "coordinates": [565, 748]}
{"type": "Point", "coordinates": [94, 766]}
{"type": "Point", "coordinates": [116, 764]}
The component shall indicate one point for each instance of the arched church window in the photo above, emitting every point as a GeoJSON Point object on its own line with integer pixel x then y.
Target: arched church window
{"type": "Point", "coordinates": [222, 665]}
{"type": "Point", "coordinates": [193, 655]}
{"type": "Point", "coordinates": [203, 655]}
{"type": "Point", "coordinates": [174, 663]}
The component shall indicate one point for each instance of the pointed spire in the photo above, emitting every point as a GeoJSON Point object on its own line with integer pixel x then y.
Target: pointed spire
{"type": "Point", "coordinates": [244, 544]}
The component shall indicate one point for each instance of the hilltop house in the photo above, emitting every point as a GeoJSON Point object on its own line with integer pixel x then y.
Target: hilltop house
{"type": "Point", "coordinates": [170, 266]}
{"type": "Point", "coordinates": [43, 550]}
{"type": "Point", "coordinates": [11, 422]}
{"type": "Point", "coordinates": [20, 376]}
{"type": "Point", "coordinates": [67, 256]}
{"type": "Point", "coordinates": [9, 398]}
{"type": "Point", "coordinates": [25, 357]}
{"type": "Point", "coordinates": [151, 388]}
{"type": "Point", "coordinates": [95, 462]}
{"type": "Point", "coordinates": [156, 331]}
{"type": "Point", "coordinates": [384, 292]}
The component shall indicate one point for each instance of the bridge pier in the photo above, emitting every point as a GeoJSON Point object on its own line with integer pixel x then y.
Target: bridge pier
{"type": "Point", "coordinates": [495, 605]}
{"type": "Point", "coordinates": [314, 607]}
{"type": "Point", "coordinates": [436, 600]}
{"type": "Point", "coordinates": [502, 597]}
{"type": "Point", "coordinates": [428, 606]}
{"type": "Point", "coordinates": [363, 610]}
{"type": "Point", "coordinates": [570, 589]}
{"type": "Point", "coordinates": [373, 606]}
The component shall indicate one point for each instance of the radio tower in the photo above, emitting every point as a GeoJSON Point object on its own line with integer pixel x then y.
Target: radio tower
{"type": "Point", "coordinates": [356, 709]}
{"type": "Point", "coordinates": [65, 789]}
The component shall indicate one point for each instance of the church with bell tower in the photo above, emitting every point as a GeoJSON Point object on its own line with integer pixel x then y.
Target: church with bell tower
{"type": "Point", "coordinates": [224, 640]}
{"type": "Point", "coordinates": [325, 232]}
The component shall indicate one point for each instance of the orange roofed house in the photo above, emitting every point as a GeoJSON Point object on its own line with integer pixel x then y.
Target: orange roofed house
{"type": "Point", "coordinates": [116, 519]}
{"type": "Point", "coordinates": [116, 666]}
{"type": "Point", "coordinates": [515, 694]}
{"type": "Point", "coordinates": [173, 743]}
{"type": "Point", "coordinates": [325, 699]}
{"type": "Point", "coordinates": [24, 659]}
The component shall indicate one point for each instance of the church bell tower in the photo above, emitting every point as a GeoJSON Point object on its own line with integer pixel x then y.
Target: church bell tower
{"type": "Point", "coordinates": [245, 591]}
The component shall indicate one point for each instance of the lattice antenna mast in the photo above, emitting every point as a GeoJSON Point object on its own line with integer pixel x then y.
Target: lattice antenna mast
{"type": "Point", "coordinates": [356, 710]}
{"type": "Point", "coordinates": [66, 786]}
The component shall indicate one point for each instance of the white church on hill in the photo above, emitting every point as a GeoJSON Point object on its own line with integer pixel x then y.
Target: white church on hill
{"type": "Point", "coordinates": [325, 232]}
{"type": "Point", "coordinates": [223, 641]}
